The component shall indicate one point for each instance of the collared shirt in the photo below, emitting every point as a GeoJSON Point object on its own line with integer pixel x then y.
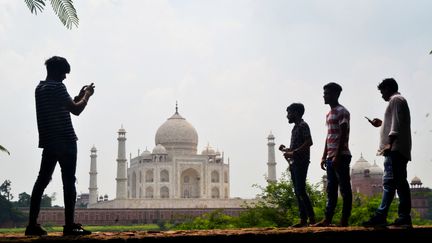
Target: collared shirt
{"type": "Point", "coordinates": [53, 119]}
{"type": "Point", "coordinates": [335, 118]}
{"type": "Point", "coordinates": [299, 134]}
{"type": "Point", "coordinates": [397, 122]}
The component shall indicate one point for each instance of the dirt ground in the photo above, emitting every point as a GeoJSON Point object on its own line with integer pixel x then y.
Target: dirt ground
{"type": "Point", "coordinates": [316, 234]}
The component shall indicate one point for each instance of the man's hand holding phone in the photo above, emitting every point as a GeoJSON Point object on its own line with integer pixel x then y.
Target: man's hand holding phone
{"type": "Point", "coordinates": [375, 122]}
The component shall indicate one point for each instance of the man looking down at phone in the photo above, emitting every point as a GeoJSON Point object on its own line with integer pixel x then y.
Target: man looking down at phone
{"type": "Point", "coordinates": [395, 146]}
{"type": "Point", "coordinates": [58, 140]}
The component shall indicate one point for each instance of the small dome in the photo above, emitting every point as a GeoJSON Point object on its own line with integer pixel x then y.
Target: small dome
{"type": "Point", "coordinates": [122, 130]}
{"type": "Point", "coordinates": [159, 149]}
{"type": "Point", "coordinates": [208, 151]}
{"type": "Point", "coordinates": [93, 149]}
{"type": "Point", "coordinates": [376, 170]}
{"type": "Point", "coordinates": [146, 154]}
{"type": "Point", "coordinates": [416, 180]}
{"type": "Point", "coordinates": [270, 136]}
{"type": "Point", "coordinates": [360, 166]}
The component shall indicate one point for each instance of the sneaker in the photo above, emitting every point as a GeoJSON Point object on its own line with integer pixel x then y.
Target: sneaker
{"type": "Point", "coordinates": [312, 221]}
{"type": "Point", "coordinates": [375, 221]}
{"type": "Point", "coordinates": [343, 222]}
{"type": "Point", "coordinates": [35, 230]}
{"type": "Point", "coordinates": [403, 223]}
{"type": "Point", "coordinates": [303, 223]}
{"type": "Point", "coordinates": [75, 229]}
{"type": "Point", "coordinates": [323, 223]}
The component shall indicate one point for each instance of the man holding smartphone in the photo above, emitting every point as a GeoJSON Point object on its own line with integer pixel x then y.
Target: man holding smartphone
{"type": "Point", "coordinates": [395, 146]}
{"type": "Point", "coordinates": [298, 158]}
{"type": "Point", "coordinates": [58, 140]}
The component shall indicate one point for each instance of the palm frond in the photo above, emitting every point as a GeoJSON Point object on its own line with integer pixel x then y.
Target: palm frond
{"type": "Point", "coordinates": [4, 149]}
{"type": "Point", "coordinates": [35, 5]}
{"type": "Point", "coordinates": [66, 12]}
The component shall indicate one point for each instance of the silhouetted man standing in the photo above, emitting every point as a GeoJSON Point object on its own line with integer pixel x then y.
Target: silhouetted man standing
{"type": "Point", "coordinates": [299, 153]}
{"type": "Point", "coordinates": [337, 156]}
{"type": "Point", "coordinates": [395, 146]}
{"type": "Point", "coordinates": [58, 140]}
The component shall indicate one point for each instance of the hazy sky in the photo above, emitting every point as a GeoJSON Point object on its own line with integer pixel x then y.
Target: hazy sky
{"type": "Point", "coordinates": [233, 66]}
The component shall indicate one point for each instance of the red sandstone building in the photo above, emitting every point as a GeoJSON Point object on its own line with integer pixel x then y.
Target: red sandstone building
{"type": "Point", "coordinates": [366, 179]}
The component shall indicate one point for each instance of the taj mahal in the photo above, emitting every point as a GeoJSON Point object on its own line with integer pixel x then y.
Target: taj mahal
{"type": "Point", "coordinates": [172, 175]}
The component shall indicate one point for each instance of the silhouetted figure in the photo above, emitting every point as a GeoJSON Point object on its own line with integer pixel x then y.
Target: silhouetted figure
{"type": "Point", "coordinates": [299, 154]}
{"type": "Point", "coordinates": [336, 157]}
{"type": "Point", "coordinates": [395, 146]}
{"type": "Point", "coordinates": [58, 140]}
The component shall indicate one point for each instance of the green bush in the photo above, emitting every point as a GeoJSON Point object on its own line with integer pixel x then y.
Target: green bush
{"type": "Point", "coordinates": [212, 220]}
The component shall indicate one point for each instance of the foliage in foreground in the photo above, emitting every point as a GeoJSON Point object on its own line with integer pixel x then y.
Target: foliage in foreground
{"type": "Point", "coordinates": [277, 207]}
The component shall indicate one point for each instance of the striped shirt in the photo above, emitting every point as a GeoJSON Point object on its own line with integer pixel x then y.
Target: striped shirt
{"type": "Point", "coordinates": [53, 118]}
{"type": "Point", "coordinates": [335, 118]}
{"type": "Point", "coordinates": [299, 134]}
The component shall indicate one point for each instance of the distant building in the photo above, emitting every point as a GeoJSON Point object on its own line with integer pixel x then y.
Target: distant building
{"type": "Point", "coordinates": [366, 178]}
{"type": "Point", "coordinates": [82, 200]}
{"type": "Point", "coordinates": [420, 197]}
{"type": "Point", "coordinates": [172, 175]}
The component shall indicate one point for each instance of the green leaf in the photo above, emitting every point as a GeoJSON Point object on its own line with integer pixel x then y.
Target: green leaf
{"type": "Point", "coordinates": [66, 12]}
{"type": "Point", "coordinates": [35, 5]}
{"type": "Point", "coordinates": [4, 149]}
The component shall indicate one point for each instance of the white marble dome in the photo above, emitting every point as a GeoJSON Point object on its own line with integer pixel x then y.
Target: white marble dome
{"type": "Point", "coordinates": [177, 135]}
{"type": "Point", "coordinates": [146, 154]}
{"type": "Point", "coordinates": [360, 166]}
{"type": "Point", "coordinates": [159, 149]}
{"type": "Point", "coordinates": [208, 151]}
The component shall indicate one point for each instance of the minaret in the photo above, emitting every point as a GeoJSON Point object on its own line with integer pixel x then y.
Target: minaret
{"type": "Point", "coordinates": [93, 177]}
{"type": "Point", "coordinates": [121, 165]}
{"type": "Point", "coordinates": [271, 175]}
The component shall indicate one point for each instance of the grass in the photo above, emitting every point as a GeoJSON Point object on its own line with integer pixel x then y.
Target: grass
{"type": "Point", "coordinates": [105, 228]}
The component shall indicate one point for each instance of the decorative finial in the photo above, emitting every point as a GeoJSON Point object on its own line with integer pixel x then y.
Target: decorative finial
{"type": "Point", "coordinates": [176, 107]}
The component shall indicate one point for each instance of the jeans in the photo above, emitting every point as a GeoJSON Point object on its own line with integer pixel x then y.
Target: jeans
{"type": "Point", "coordinates": [298, 176]}
{"type": "Point", "coordinates": [395, 180]}
{"type": "Point", "coordinates": [339, 177]}
{"type": "Point", "coordinates": [66, 155]}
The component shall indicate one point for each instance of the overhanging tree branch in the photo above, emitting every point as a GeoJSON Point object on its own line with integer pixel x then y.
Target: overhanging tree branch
{"type": "Point", "coordinates": [64, 9]}
{"type": "Point", "coordinates": [4, 149]}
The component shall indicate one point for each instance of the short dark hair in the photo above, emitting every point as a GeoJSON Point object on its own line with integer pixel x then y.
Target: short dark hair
{"type": "Point", "coordinates": [296, 107]}
{"type": "Point", "coordinates": [333, 87]}
{"type": "Point", "coordinates": [57, 65]}
{"type": "Point", "coordinates": [389, 83]}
